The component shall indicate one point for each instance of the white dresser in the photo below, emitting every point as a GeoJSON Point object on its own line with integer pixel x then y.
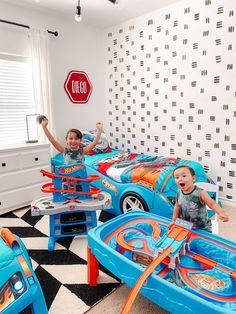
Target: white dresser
{"type": "Point", "coordinates": [20, 176]}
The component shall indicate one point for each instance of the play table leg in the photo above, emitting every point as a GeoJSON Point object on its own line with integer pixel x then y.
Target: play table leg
{"type": "Point", "coordinates": [92, 271]}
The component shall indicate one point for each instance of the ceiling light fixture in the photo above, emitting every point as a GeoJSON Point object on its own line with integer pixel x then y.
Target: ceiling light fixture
{"type": "Point", "coordinates": [78, 16]}
{"type": "Point", "coordinates": [116, 2]}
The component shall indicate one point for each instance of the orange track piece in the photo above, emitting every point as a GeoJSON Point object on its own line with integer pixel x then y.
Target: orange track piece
{"type": "Point", "coordinates": [207, 262]}
{"type": "Point", "coordinates": [52, 175]}
{"type": "Point", "coordinates": [177, 233]}
{"type": "Point", "coordinates": [49, 188]}
{"type": "Point", "coordinates": [182, 234]}
{"type": "Point", "coordinates": [116, 231]}
{"type": "Point", "coordinates": [233, 274]}
{"type": "Point", "coordinates": [156, 230]}
{"type": "Point", "coordinates": [204, 260]}
{"type": "Point", "coordinates": [25, 266]}
{"type": "Point", "coordinates": [134, 292]}
{"type": "Point", "coordinates": [120, 239]}
{"type": "Point", "coordinates": [8, 236]}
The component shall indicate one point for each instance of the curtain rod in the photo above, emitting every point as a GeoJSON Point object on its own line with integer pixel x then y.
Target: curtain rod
{"type": "Point", "coordinates": [26, 26]}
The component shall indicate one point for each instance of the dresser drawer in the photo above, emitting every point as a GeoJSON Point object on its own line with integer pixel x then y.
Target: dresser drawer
{"type": "Point", "coordinates": [9, 162]}
{"type": "Point", "coordinates": [19, 198]}
{"type": "Point", "coordinates": [21, 178]}
{"type": "Point", "coordinates": [34, 158]}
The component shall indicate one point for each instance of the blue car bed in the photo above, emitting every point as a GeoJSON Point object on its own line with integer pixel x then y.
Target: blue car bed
{"type": "Point", "coordinates": [137, 181]}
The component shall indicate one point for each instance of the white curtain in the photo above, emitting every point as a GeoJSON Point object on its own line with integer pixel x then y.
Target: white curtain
{"type": "Point", "coordinates": [40, 53]}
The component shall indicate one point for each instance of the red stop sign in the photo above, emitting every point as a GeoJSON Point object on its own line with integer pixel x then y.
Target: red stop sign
{"type": "Point", "coordinates": [78, 86]}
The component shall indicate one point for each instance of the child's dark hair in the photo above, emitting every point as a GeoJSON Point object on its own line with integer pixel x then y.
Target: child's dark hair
{"type": "Point", "coordinates": [76, 131]}
{"type": "Point", "coordinates": [184, 166]}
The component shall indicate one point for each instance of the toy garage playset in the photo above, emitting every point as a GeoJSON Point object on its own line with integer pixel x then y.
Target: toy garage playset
{"type": "Point", "coordinates": [72, 204]}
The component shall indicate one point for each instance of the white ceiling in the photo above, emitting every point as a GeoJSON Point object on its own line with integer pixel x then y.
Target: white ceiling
{"type": "Point", "coordinates": [98, 13]}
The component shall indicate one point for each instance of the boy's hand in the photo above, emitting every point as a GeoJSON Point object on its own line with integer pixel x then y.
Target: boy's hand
{"type": "Point", "coordinates": [223, 217]}
{"type": "Point", "coordinates": [171, 224]}
{"type": "Point", "coordinates": [99, 125]}
{"type": "Point", "coordinates": [44, 122]}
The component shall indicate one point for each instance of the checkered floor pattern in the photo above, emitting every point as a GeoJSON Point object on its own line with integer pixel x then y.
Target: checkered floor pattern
{"type": "Point", "coordinates": [62, 273]}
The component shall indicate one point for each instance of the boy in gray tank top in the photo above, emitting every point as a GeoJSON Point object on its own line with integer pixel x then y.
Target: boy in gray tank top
{"type": "Point", "coordinates": [73, 153]}
{"type": "Point", "coordinates": [191, 201]}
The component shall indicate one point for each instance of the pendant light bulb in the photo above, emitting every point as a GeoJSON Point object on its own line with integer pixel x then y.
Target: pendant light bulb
{"type": "Point", "coordinates": [116, 2]}
{"type": "Point", "coordinates": [78, 18]}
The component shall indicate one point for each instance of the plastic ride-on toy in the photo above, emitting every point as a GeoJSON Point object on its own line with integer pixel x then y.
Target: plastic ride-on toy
{"type": "Point", "coordinates": [19, 286]}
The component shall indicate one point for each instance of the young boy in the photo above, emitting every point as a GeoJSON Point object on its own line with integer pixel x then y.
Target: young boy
{"type": "Point", "coordinates": [73, 153]}
{"type": "Point", "coordinates": [191, 201]}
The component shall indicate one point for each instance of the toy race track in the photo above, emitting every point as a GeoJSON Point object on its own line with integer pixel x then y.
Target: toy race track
{"type": "Point", "coordinates": [46, 206]}
{"type": "Point", "coordinates": [179, 269]}
{"type": "Point", "coordinates": [72, 204]}
{"type": "Point", "coordinates": [65, 194]}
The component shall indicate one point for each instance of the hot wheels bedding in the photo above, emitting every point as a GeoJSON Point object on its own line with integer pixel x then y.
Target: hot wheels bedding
{"type": "Point", "coordinates": [150, 171]}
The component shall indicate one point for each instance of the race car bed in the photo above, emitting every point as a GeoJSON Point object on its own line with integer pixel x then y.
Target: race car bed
{"type": "Point", "coordinates": [137, 181]}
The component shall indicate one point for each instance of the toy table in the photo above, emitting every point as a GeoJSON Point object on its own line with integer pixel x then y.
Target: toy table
{"type": "Point", "coordinates": [192, 271]}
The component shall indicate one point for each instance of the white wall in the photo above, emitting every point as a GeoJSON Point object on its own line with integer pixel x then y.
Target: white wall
{"type": "Point", "coordinates": [170, 85]}
{"type": "Point", "coordinates": [77, 47]}
{"type": "Point", "coordinates": [156, 102]}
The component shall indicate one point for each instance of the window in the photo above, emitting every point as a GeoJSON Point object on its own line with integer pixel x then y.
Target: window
{"type": "Point", "coordinates": [16, 98]}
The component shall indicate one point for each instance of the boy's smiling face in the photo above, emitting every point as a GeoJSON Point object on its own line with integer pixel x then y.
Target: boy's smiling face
{"type": "Point", "coordinates": [184, 179]}
{"type": "Point", "coordinates": [72, 141]}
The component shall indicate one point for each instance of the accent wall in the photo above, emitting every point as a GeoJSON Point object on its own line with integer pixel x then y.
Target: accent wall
{"type": "Point", "coordinates": [170, 86]}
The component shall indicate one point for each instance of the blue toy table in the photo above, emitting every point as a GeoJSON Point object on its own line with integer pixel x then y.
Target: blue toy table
{"type": "Point", "coordinates": [195, 273]}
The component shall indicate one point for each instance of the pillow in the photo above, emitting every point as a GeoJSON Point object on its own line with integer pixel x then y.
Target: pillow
{"type": "Point", "coordinates": [102, 145]}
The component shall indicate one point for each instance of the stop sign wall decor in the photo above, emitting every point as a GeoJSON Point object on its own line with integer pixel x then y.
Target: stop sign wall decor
{"type": "Point", "coordinates": [78, 86]}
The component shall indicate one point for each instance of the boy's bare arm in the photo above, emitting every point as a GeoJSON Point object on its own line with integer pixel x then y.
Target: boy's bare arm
{"type": "Point", "coordinates": [50, 137]}
{"type": "Point", "coordinates": [176, 212]}
{"type": "Point", "coordinates": [206, 199]}
{"type": "Point", "coordinates": [96, 139]}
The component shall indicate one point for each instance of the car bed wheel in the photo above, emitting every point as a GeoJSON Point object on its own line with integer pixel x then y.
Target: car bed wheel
{"type": "Point", "coordinates": [132, 201]}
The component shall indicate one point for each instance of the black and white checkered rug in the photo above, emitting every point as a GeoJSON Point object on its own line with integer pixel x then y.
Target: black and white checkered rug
{"type": "Point", "coordinates": [62, 273]}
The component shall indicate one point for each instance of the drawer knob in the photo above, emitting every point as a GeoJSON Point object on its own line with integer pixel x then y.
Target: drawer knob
{"type": "Point", "coordinates": [36, 159]}
{"type": "Point", "coordinates": [4, 164]}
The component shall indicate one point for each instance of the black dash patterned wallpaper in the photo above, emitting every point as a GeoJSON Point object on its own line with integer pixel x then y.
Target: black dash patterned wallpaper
{"type": "Point", "coordinates": [171, 86]}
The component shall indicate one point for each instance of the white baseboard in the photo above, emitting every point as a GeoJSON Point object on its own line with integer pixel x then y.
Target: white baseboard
{"type": "Point", "coordinates": [225, 201]}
